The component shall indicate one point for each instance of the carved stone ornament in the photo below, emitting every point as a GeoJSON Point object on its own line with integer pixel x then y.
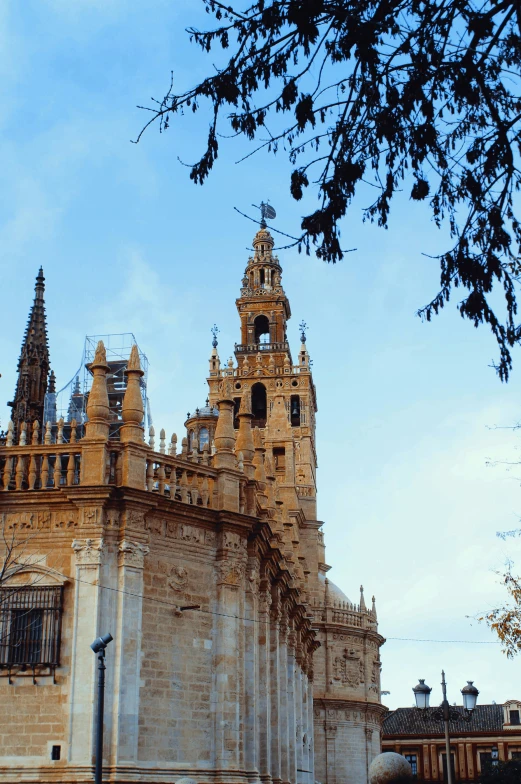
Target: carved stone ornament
{"type": "Point", "coordinates": [349, 668]}
{"type": "Point", "coordinates": [232, 541]}
{"type": "Point", "coordinates": [265, 601]}
{"type": "Point", "coordinates": [132, 554]}
{"type": "Point", "coordinates": [112, 518]}
{"type": "Point", "coordinates": [178, 578]}
{"type": "Point", "coordinates": [88, 551]}
{"type": "Point", "coordinates": [230, 573]}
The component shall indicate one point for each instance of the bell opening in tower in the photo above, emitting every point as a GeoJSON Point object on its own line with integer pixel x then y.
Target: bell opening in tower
{"type": "Point", "coordinates": [262, 330]}
{"type": "Point", "coordinates": [258, 405]}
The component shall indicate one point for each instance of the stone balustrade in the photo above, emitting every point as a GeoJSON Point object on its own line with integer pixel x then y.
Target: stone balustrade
{"type": "Point", "coordinates": [180, 480]}
{"type": "Point", "coordinates": [39, 466]}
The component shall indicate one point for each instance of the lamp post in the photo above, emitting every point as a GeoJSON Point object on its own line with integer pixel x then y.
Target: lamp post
{"type": "Point", "coordinates": [445, 712]}
{"type": "Point", "coordinates": [98, 646]}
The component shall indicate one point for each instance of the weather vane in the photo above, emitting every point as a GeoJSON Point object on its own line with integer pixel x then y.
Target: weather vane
{"type": "Point", "coordinates": [303, 326]}
{"type": "Point", "coordinates": [267, 212]}
{"type": "Point", "coordinates": [215, 331]}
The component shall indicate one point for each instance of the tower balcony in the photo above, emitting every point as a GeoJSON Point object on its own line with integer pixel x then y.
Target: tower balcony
{"type": "Point", "coordinates": [254, 348]}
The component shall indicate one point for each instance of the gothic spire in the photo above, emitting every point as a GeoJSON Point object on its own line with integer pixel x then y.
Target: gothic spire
{"type": "Point", "coordinates": [33, 365]}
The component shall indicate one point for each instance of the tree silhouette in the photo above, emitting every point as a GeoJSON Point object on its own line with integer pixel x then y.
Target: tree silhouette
{"type": "Point", "coordinates": [387, 93]}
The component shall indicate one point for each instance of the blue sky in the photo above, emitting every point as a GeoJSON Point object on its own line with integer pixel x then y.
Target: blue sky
{"type": "Point", "coordinates": [129, 244]}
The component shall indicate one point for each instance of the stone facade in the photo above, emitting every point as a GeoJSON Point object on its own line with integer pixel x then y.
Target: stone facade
{"type": "Point", "coordinates": [234, 658]}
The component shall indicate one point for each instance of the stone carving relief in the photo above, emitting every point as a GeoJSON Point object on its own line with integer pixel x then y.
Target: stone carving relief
{"type": "Point", "coordinates": [155, 525]}
{"type": "Point", "coordinates": [231, 541]}
{"type": "Point", "coordinates": [88, 551]}
{"type": "Point", "coordinates": [178, 578]}
{"type": "Point", "coordinates": [112, 518]}
{"type": "Point", "coordinates": [91, 515]}
{"type": "Point", "coordinates": [135, 518]}
{"type": "Point", "coordinates": [230, 573]}
{"type": "Point", "coordinates": [132, 554]}
{"type": "Point", "coordinates": [21, 521]}
{"type": "Point", "coordinates": [349, 668]}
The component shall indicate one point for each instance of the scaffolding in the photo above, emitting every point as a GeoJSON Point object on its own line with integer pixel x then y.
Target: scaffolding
{"type": "Point", "coordinates": [70, 402]}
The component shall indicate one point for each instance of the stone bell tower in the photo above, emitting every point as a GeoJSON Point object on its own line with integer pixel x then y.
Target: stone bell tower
{"type": "Point", "coordinates": [283, 398]}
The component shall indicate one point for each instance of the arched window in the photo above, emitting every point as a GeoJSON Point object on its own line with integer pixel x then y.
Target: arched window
{"type": "Point", "coordinates": [262, 329]}
{"type": "Point", "coordinates": [204, 437]}
{"type": "Point", "coordinates": [192, 441]}
{"type": "Point", "coordinates": [258, 405]}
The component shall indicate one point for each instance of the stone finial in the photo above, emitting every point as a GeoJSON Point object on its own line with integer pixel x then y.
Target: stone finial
{"type": "Point", "coordinates": [36, 432]}
{"type": "Point", "coordinates": [363, 608]}
{"type": "Point", "coordinates": [245, 407]}
{"type": "Point", "coordinates": [184, 447]}
{"type": "Point", "coordinates": [224, 432]}
{"type": "Point", "coordinates": [162, 439]}
{"type": "Point", "coordinates": [100, 355]}
{"type": "Point", "coordinates": [59, 437]}
{"type": "Point", "coordinates": [23, 434]}
{"type": "Point", "coordinates": [373, 608]}
{"type": "Point", "coordinates": [225, 390]}
{"type": "Point", "coordinates": [245, 438]}
{"type": "Point", "coordinates": [151, 437]}
{"type": "Point", "coordinates": [258, 458]}
{"type": "Point", "coordinates": [134, 362]}
{"type": "Point", "coordinates": [73, 431]}
{"type": "Point", "coordinates": [98, 413]}
{"type": "Point", "coordinates": [240, 461]}
{"type": "Point", "coordinates": [10, 433]}
{"type": "Point", "coordinates": [132, 411]}
{"type": "Point", "coordinates": [48, 433]}
{"type": "Point", "coordinates": [173, 445]}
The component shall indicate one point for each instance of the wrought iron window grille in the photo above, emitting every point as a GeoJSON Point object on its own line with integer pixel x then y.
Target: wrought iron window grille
{"type": "Point", "coordinates": [30, 629]}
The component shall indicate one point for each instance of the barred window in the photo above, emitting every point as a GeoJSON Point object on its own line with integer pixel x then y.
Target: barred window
{"type": "Point", "coordinates": [30, 625]}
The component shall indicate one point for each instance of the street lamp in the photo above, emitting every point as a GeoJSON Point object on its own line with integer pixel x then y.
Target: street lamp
{"type": "Point", "coordinates": [445, 712]}
{"type": "Point", "coordinates": [98, 646]}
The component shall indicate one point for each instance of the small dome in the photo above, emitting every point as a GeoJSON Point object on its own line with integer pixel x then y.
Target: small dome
{"type": "Point", "coordinates": [263, 235]}
{"type": "Point", "coordinates": [335, 594]}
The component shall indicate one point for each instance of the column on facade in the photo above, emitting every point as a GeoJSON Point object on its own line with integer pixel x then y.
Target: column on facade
{"type": "Point", "coordinates": [127, 645]}
{"type": "Point", "coordinates": [426, 762]}
{"type": "Point", "coordinates": [251, 668]}
{"type": "Point", "coordinates": [330, 732]}
{"type": "Point", "coordinates": [283, 699]}
{"type": "Point", "coordinates": [470, 760]}
{"type": "Point", "coordinates": [227, 663]}
{"type": "Point", "coordinates": [307, 728]}
{"type": "Point", "coordinates": [311, 731]}
{"type": "Point", "coordinates": [299, 704]}
{"type": "Point", "coordinates": [88, 559]}
{"type": "Point", "coordinates": [264, 677]}
{"type": "Point", "coordinates": [292, 711]}
{"type": "Point", "coordinates": [274, 686]}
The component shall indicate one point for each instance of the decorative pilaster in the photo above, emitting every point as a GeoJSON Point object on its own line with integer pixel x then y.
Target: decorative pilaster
{"type": "Point", "coordinates": [264, 701]}
{"type": "Point", "coordinates": [87, 612]}
{"type": "Point", "coordinates": [283, 698]}
{"type": "Point", "coordinates": [275, 683]}
{"type": "Point", "coordinates": [128, 646]}
{"type": "Point", "coordinates": [227, 662]}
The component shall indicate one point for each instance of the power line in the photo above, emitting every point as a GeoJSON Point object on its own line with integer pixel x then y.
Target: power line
{"type": "Point", "coordinates": [254, 620]}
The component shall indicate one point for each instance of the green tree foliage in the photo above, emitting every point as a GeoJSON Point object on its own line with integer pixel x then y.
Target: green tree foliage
{"type": "Point", "coordinates": [503, 773]}
{"type": "Point", "coordinates": [390, 93]}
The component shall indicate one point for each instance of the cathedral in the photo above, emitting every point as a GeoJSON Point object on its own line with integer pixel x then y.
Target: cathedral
{"type": "Point", "coordinates": [234, 658]}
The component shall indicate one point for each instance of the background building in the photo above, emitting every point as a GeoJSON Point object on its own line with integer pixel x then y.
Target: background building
{"type": "Point", "coordinates": [493, 732]}
{"type": "Point", "coordinates": [275, 676]}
